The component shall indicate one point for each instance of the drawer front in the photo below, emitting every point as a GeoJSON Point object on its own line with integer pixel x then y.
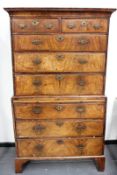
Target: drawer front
{"type": "Point", "coordinates": [62, 42]}
{"type": "Point", "coordinates": [53, 111]}
{"type": "Point", "coordinates": [59, 128]}
{"type": "Point", "coordinates": [35, 25]}
{"type": "Point", "coordinates": [59, 84]}
{"type": "Point", "coordinates": [60, 147]}
{"type": "Point", "coordinates": [84, 25]}
{"type": "Point", "coordinates": [59, 62]}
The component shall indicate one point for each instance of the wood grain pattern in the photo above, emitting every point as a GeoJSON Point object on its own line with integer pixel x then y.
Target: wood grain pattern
{"type": "Point", "coordinates": [69, 84]}
{"type": "Point", "coordinates": [55, 148]}
{"type": "Point", "coordinates": [35, 25]}
{"type": "Point", "coordinates": [84, 25]}
{"type": "Point", "coordinates": [70, 42]}
{"type": "Point", "coordinates": [59, 62]}
{"type": "Point", "coordinates": [58, 128]}
{"type": "Point", "coordinates": [58, 110]}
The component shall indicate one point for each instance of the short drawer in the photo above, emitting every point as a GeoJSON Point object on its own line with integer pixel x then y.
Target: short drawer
{"type": "Point", "coordinates": [60, 147]}
{"type": "Point", "coordinates": [59, 62]}
{"type": "Point", "coordinates": [85, 25]}
{"type": "Point", "coordinates": [59, 84]}
{"type": "Point", "coordinates": [34, 25]}
{"type": "Point", "coordinates": [58, 110]}
{"type": "Point", "coordinates": [60, 42]}
{"type": "Point", "coordinates": [59, 128]}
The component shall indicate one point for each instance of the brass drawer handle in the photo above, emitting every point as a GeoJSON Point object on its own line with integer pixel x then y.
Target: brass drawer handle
{"type": "Point", "coordinates": [59, 38]}
{"type": "Point", "coordinates": [37, 42]}
{"type": "Point", "coordinates": [82, 61]}
{"type": "Point", "coordinates": [37, 82]}
{"type": "Point", "coordinates": [36, 61]}
{"type": "Point", "coordinates": [22, 26]}
{"type": "Point", "coordinates": [81, 83]}
{"type": "Point", "coordinates": [39, 147]}
{"type": "Point", "coordinates": [80, 146]}
{"type": "Point", "coordinates": [59, 107]}
{"type": "Point", "coordinates": [80, 128]}
{"type": "Point", "coordinates": [38, 128]}
{"type": "Point", "coordinates": [97, 26]}
{"type": "Point", "coordinates": [35, 22]}
{"type": "Point", "coordinates": [83, 41]}
{"type": "Point", "coordinates": [71, 25]}
{"type": "Point", "coordinates": [80, 109]}
{"type": "Point", "coordinates": [59, 123]}
{"type": "Point", "coordinates": [60, 141]}
{"type": "Point", "coordinates": [59, 77]}
{"type": "Point", "coordinates": [36, 110]}
{"type": "Point", "coordinates": [59, 57]}
{"type": "Point", "coordinates": [49, 26]}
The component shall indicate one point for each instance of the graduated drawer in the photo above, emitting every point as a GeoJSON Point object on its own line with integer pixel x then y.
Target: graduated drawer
{"type": "Point", "coordinates": [35, 25]}
{"type": "Point", "coordinates": [36, 110]}
{"type": "Point", "coordinates": [85, 25]}
{"type": "Point", "coordinates": [60, 147]}
{"type": "Point", "coordinates": [59, 62]}
{"type": "Point", "coordinates": [59, 128]}
{"type": "Point", "coordinates": [60, 42]}
{"type": "Point", "coordinates": [59, 84]}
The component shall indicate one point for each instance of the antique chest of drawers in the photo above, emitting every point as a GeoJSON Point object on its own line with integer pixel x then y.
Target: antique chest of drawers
{"type": "Point", "coordinates": [59, 66]}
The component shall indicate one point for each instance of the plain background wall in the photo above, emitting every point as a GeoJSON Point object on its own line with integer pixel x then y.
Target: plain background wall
{"type": "Point", "coordinates": [6, 87]}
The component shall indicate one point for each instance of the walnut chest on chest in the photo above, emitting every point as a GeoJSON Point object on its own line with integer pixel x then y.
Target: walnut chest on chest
{"type": "Point", "coordinates": [59, 65]}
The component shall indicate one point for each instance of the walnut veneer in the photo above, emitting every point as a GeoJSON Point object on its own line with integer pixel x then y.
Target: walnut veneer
{"type": "Point", "coordinates": [59, 66]}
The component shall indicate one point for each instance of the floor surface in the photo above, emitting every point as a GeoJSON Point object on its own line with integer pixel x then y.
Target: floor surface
{"type": "Point", "coordinates": [79, 167]}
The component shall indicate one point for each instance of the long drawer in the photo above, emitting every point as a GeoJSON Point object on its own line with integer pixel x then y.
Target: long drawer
{"type": "Point", "coordinates": [60, 147]}
{"type": "Point", "coordinates": [60, 42]}
{"type": "Point", "coordinates": [49, 110]}
{"type": "Point", "coordinates": [59, 84]}
{"type": "Point", "coordinates": [59, 128]}
{"type": "Point", "coordinates": [59, 62]}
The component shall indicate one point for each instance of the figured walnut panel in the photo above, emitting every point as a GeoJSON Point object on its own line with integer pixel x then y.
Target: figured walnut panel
{"type": "Point", "coordinates": [59, 62]}
{"type": "Point", "coordinates": [58, 110]}
{"type": "Point", "coordinates": [59, 128]}
{"type": "Point", "coordinates": [35, 25]}
{"type": "Point", "coordinates": [85, 25]}
{"type": "Point", "coordinates": [60, 42]}
{"type": "Point", "coordinates": [60, 147]}
{"type": "Point", "coordinates": [59, 84]}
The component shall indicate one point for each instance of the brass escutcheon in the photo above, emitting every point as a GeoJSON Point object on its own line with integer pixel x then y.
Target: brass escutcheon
{"type": "Point", "coordinates": [59, 77]}
{"type": "Point", "coordinates": [59, 123]}
{"type": "Point", "coordinates": [35, 22]}
{"type": "Point", "coordinates": [59, 38]}
{"type": "Point", "coordinates": [59, 107]}
{"type": "Point", "coordinates": [22, 26]}
{"type": "Point", "coordinates": [38, 128]}
{"type": "Point", "coordinates": [39, 147]}
{"type": "Point", "coordinates": [36, 61]}
{"type": "Point", "coordinates": [49, 26]}
{"type": "Point", "coordinates": [80, 128]}
{"type": "Point", "coordinates": [59, 57]}
{"type": "Point", "coordinates": [80, 109]}
{"type": "Point", "coordinates": [82, 61]}
{"type": "Point", "coordinates": [97, 26]}
{"type": "Point", "coordinates": [81, 83]}
{"type": "Point", "coordinates": [36, 82]}
{"type": "Point", "coordinates": [71, 25]}
{"type": "Point", "coordinates": [36, 110]}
